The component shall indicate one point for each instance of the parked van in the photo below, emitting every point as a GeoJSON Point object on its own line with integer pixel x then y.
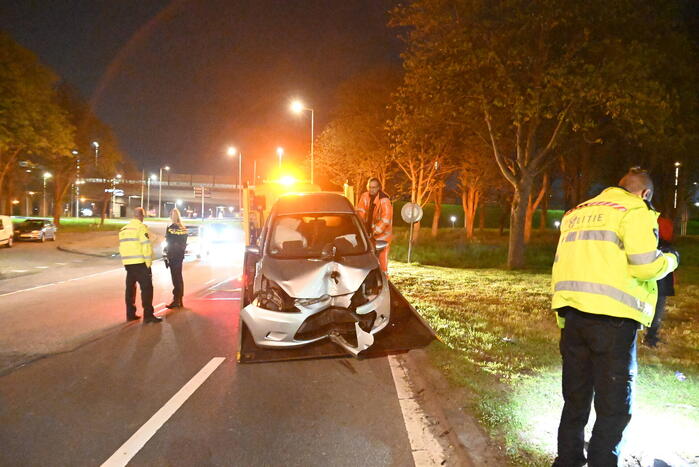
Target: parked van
{"type": "Point", "coordinates": [6, 231]}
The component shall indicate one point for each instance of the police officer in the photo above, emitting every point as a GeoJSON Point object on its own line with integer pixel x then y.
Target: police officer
{"type": "Point", "coordinates": [137, 256]}
{"type": "Point", "coordinates": [604, 287]}
{"type": "Point", "coordinates": [176, 241]}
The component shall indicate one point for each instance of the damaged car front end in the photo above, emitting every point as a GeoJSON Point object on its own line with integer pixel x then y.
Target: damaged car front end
{"type": "Point", "coordinates": [314, 276]}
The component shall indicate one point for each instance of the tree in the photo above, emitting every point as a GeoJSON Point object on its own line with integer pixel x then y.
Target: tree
{"type": "Point", "coordinates": [520, 74]}
{"type": "Point", "coordinates": [32, 123]}
{"type": "Point", "coordinates": [355, 144]}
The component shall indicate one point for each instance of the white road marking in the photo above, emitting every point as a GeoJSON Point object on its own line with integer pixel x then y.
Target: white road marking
{"type": "Point", "coordinates": [60, 282]}
{"type": "Point", "coordinates": [41, 267]}
{"type": "Point", "coordinates": [425, 448]}
{"type": "Point", "coordinates": [61, 264]}
{"type": "Point", "coordinates": [134, 444]}
{"type": "Point", "coordinates": [232, 299]}
{"type": "Point", "coordinates": [209, 282]}
{"type": "Point", "coordinates": [19, 270]}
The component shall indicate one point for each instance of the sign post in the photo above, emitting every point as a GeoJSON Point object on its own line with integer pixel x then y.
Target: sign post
{"type": "Point", "coordinates": [411, 213]}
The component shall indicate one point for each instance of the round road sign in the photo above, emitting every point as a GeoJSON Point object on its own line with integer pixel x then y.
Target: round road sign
{"type": "Point", "coordinates": [411, 213]}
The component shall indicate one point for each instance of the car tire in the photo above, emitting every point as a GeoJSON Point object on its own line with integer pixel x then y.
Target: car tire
{"type": "Point", "coordinates": [42, 239]}
{"type": "Point", "coordinates": [9, 242]}
{"type": "Point", "coordinates": [53, 239]}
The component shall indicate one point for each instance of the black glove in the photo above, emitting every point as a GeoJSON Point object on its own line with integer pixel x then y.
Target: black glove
{"type": "Point", "coordinates": [669, 249]}
{"type": "Point", "coordinates": [167, 263]}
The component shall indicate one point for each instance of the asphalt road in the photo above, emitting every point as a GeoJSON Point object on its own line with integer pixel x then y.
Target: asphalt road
{"type": "Point", "coordinates": [91, 382]}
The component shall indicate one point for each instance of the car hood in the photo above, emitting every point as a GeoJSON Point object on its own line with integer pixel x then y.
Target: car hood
{"type": "Point", "coordinates": [313, 278]}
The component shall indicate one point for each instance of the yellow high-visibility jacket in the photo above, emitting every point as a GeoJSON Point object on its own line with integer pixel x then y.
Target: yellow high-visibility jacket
{"type": "Point", "coordinates": [134, 243]}
{"type": "Point", "coordinates": [607, 261]}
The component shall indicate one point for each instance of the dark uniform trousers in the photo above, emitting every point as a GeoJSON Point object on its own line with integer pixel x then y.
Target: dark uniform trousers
{"type": "Point", "coordinates": [176, 274]}
{"type": "Point", "coordinates": [142, 274]}
{"type": "Point", "coordinates": [599, 360]}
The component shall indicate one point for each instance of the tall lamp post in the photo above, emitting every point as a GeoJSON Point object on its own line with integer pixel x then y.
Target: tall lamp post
{"type": "Point", "coordinates": [152, 177]}
{"type": "Point", "coordinates": [677, 182]}
{"type": "Point", "coordinates": [232, 152]}
{"type": "Point", "coordinates": [115, 180]}
{"type": "Point", "coordinates": [46, 176]}
{"type": "Point", "coordinates": [160, 187]}
{"type": "Point", "coordinates": [280, 153]}
{"type": "Point", "coordinates": [96, 145]}
{"type": "Point", "coordinates": [298, 107]}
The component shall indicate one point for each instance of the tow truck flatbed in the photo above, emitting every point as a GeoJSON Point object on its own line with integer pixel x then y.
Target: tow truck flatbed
{"type": "Point", "coordinates": [407, 330]}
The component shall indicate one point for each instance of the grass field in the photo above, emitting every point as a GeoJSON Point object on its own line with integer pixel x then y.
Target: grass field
{"type": "Point", "coordinates": [500, 340]}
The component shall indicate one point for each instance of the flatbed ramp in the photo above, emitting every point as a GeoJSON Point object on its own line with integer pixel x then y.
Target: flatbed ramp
{"type": "Point", "coordinates": [406, 330]}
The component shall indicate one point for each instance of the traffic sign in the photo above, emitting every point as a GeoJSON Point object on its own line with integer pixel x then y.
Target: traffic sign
{"type": "Point", "coordinates": [411, 213]}
{"type": "Point", "coordinates": [198, 190]}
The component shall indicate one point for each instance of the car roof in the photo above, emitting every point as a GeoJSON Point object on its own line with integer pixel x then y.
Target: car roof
{"type": "Point", "coordinates": [310, 203]}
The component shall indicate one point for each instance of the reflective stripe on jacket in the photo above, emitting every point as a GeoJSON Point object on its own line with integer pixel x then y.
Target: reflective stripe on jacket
{"type": "Point", "coordinates": [382, 220]}
{"type": "Point", "coordinates": [607, 261]}
{"type": "Point", "coordinates": [134, 243]}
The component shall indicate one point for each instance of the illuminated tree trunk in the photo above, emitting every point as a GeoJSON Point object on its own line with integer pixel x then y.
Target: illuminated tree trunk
{"type": "Point", "coordinates": [531, 209]}
{"type": "Point", "coordinates": [438, 196]}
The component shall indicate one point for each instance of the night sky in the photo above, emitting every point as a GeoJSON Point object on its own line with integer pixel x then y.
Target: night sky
{"type": "Point", "coordinates": [178, 81]}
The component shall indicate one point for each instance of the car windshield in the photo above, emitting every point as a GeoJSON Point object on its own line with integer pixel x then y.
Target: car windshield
{"type": "Point", "coordinates": [33, 224]}
{"type": "Point", "coordinates": [315, 235]}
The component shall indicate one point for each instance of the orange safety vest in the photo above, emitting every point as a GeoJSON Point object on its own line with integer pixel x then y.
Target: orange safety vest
{"type": "Point", "coordinates": [382, 221]}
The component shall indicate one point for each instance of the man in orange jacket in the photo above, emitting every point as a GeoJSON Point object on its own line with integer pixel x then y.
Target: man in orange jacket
{"type": "Point", "coordinates": [376, 211]}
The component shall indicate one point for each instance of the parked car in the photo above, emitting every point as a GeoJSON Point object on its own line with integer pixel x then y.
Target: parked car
{"type": "Point", "coordinates": [6, 232]}
{"type": "Point", "coordinates": [314, 274]}
{"type": "Point", "coordinates": [35, 229]}
{"type": "Point", "coordinates": [218, 237]}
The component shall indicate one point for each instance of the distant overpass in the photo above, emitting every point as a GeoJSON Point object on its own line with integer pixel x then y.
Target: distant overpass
{"type": "Point", "coordinates": [221, 195]}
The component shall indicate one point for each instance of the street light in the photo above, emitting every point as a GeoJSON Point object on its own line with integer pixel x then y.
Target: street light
{"type": "Point", "coordinates": [298, 107]}
{"type": "Point", "coordinates": [677, 182]}
{"type": "Point", "coordinates": [453, 220]}
{"type": "Point", "coordinates": [160, 187]}
{"type": "Point", "coordinates": [154, 178]}
{"type": "Point", "coordinates": [97, 150]}
{"type": "Point", "coordinates": [46, 176]}
{"type": "Point", "coordinates": [114, 182]}
{"type": "Point", "coordinates": [232, 152]}
{"type": "Point", "coordinates": [280, 153]}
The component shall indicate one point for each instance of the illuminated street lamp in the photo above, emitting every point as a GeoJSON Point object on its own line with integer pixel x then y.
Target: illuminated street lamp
{"type": "Point", "coordinates": [298, 107]}
{"type": "Point", "coordinates": [232, 152]}
{"type": "Point", "coordinates": [46, 176]}
{"type": "Point", "coordinates": [115, 180]}
{"type": "Point", "coordinates": [280, 153]}
{"type": "Point", "coordinates": [453, 220]}
{"type": "Point", "coordinates": [154, 178]}
{"type": "Point", "coordinates": [160, 187]}
{"type": "Point", "coordinates": [96, 145]}
{"type": "Point", "coordinates": [677, 182]}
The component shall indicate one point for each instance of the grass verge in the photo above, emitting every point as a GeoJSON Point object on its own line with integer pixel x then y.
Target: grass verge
{"type": "Point", "coordinates": [500, 340]}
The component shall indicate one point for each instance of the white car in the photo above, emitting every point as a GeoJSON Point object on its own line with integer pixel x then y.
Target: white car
{"type": "Point", "coordinates": [314, 274]}
{"type": "Point", "coordinates": [6, 231]}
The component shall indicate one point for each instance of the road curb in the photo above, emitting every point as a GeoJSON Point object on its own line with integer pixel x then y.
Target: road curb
{"type": "Point", "coordinates": [79, 252]}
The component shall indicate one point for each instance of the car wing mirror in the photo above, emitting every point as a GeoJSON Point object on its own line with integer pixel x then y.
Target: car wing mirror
{"type": "Point", "coordinates": [381, 245]}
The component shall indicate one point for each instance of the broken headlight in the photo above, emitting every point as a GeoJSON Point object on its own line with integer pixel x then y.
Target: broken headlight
{"type": "Point", "coordinates": [272, 297]}
{"type": "Point", "coordinates": [369, 290]}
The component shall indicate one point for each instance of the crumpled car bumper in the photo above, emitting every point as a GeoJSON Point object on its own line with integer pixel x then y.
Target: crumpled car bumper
{"type": "Point", "coordinates": [352, 330]}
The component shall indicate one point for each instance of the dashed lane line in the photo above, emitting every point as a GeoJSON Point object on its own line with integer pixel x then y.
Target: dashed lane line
{"type": "Point", "coordinates": [41, 267]}
{"type": "Point", "coordinates": [20, 270]}
{"type": "Point", "coordinates": [133, 445]}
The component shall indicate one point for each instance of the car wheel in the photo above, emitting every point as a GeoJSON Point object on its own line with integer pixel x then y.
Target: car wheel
{"type": "Point", "coordinates": [53, 239]}
{"type": "Point", "coordinates": [42, 239]}
{"type": "Point", "coordinates": [9, 242]}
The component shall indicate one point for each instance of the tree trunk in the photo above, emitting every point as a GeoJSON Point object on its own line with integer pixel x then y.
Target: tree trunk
{"type": "Point", "coordinates": [469, 201]}
{"type": "Point", "coordinates": [106, 198]}
{"type": "Point", "coordinates": [416, 232]}
{"type": "Point", "coordinates": [438, 195]}
{"type": "Point", "coordinates": [543, 222]}
{"type": "Point", "coordinates": [518, 214]}
{"type": "Point", "coordinates": [60, 186]}
{"type": "Point", "coordinates": [531, 208]}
